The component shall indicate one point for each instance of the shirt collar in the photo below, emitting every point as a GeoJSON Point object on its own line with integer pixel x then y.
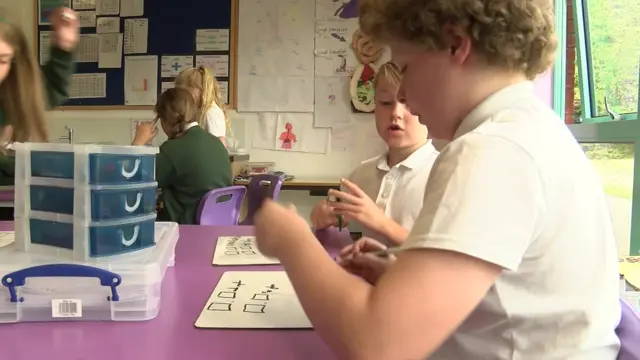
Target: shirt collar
{"type": "Point", "coordinates": [413, 161]}
{"type": "Point", "coordinates": [500, 100]}
{"type": "Point", "coordinates": [190, 125]}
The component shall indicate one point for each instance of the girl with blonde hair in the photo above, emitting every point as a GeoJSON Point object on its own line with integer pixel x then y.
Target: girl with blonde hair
{"type": "Point", "coordinates": [204, 86]}
{"type": "Point", "coordinates": [28, 90]}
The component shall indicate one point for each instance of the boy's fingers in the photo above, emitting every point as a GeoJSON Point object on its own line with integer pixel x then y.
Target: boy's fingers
{"type": "Point", "coordinates": [343, 196]}
{"type": "Point", "coordinates": [346, 250]}
{"type": "Point", "coordinates": [353, 188]}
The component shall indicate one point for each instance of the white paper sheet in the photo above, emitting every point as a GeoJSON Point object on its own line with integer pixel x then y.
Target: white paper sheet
{"type": "Point", "coordinates": [275, 56]}
{"type": "Point", "coordinates": [264, 132]}
{"type": "Point", "coordinates": [342, 138]}
{"type": "Point", "coordinates": [88, 86]}
{"type": "Point", "coordinates": [212, 39]}
{"type": "Point", "coordinates": [131, 8]}
{"type": "Point", "coordinates": [218, 64]}
{"type": "Point", "coordinates": [224, 91]}
{"type": "Point", "coordinates": [172, 65]}
{"type": "Point", "coordinates": [108, 25]}
{"type": "Point", "coordinates": [84, 4]}
{"type": "Point", "coordinates": [295, 132]}
{"type": "Point", "coordinates": [332, 102]}
{"type": "Point", "coordinates": [136, 36]}
{"type": "Point", "coordinates": [88, 48]}
{"type": "Point", "coordinates": [140, 80]}
{"type": "Point", "coordinates": [334, 56]}
{"type": "Point", "coordinates": [110, 56]}
{"type": "Point", "coordinates": [253, 300]}
{"type": "Point", "coordinates": [107, 7]}
{"type": "Point", "coordinates": [45, 46]}
{"type": "Point", "coordinates": [87, 19]}
{"type": "Point", "coordinates": [7, 238]}
{"type": "Point", "coordinates": [239, 250]}
{"type": "Point", "coordinates": [166, 85]}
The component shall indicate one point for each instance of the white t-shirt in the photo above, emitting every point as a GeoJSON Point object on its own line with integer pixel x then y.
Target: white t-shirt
{"type": "Point", "coordinates": [514, 189]}
{"type": "Point", "coordinates": [398, 190]}
{"type": "Point", "coordinates": [215, 122]}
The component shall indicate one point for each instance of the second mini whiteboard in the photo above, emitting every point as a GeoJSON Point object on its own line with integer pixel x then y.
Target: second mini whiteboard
{"type": "Point", "coordinates": [253, 300]}
{"type": "Point", "coordinates": [239, 250]}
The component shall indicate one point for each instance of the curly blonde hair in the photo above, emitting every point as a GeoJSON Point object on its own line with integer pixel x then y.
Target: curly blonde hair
{"type": "Point", "coordinates": [516, 35]}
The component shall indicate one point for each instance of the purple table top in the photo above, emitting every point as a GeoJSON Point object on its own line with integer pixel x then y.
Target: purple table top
{"type": "Point", "coordinates": [171, 335]}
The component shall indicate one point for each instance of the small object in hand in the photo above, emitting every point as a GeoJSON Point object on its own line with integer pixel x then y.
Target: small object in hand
{"type": "Point", "coordinates": [68, 16]}
{"type": "Point", "coordinates": [333, 198]}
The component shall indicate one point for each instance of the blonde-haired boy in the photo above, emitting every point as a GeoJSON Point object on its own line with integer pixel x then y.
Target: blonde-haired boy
{"type": "Point", "coordinates": [384, 194]}
{"type": "Point", "coordinates": [513, 254]}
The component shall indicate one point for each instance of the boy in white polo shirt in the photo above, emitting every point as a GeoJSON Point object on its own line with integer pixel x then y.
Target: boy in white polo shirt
{"type": "Point", "coordinates": [513, 254]}
{"type": "Point", "coordinates": [384, 194]}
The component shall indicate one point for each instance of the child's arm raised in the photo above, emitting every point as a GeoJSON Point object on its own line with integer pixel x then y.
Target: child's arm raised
{"type": "Point", "coordinates": [57, 72]}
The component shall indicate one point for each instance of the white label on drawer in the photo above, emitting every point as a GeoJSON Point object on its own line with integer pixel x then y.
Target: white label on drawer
{"type": "Point", "coordinates": [66, 308]}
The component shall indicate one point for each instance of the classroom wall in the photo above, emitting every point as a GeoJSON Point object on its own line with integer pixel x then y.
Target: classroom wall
{"type": "Point", "coordinates": [114, 127]}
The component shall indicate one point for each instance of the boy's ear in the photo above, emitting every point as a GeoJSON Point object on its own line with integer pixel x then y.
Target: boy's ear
{"type": "Point", "coordinates": [458, 42]}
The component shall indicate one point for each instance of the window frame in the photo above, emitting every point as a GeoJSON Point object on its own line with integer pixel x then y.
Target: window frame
{"type": "Point", "coordinates": [600, 129]}
{"type": "Point", "coordinates": [584, 64]}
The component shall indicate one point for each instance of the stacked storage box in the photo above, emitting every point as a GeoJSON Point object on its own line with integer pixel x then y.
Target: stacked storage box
{"type": "Point", "coordinates": [87, 247]}
{"type": "Point", "coordinates": [84, 202]}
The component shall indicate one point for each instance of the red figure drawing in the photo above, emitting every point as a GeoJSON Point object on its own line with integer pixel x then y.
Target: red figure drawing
{"type": "Point", "coordinates": [287, 137]}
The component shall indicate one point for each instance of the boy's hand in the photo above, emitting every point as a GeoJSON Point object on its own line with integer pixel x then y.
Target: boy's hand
{"type": "Point", "coordinates": [358, 260]}
{"type": "Point", "coordinates": [276, 227]}
{"type": "Point", "coordinates": [66, 28]}
{"type": "Point", "coordinates": [322, 216]}
{"type": "Point", "coordinates": [6, 138]}
{"type": "Point", "coordinates": [145, 132]}
{"type": "Point", "coordinates": [355, 204]}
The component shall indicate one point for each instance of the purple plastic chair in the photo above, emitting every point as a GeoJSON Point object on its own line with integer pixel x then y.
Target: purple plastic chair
{"type": "Point", "coordinates": [221, 206]}
{"type": "Point", "coordinates": [628, 332]}
{"type": "Point", "coordinates": [261, 187]}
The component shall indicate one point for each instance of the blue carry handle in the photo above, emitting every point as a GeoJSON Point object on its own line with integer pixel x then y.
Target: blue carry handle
{"type": "Point", "coordinates": [17, 278]}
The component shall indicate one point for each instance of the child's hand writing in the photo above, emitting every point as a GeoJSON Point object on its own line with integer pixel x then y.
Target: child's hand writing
{"type": "Point", "coordinates": [66, 28]}
{"type": "Point", "coordinates": [145, 132]}
{"type": "Point", "coordinates": [276, 227]}
{"type": "Point", "coordinates": [358, 259]}
{"type": "Point", "coordinates": [322, 216]}
{"type": "Point", "coordinates": [355, 204]}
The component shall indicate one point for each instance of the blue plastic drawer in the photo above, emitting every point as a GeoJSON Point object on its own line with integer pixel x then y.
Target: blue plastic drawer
{"type": "Point", "coordinates": [106, 239]}
{"type": "Point", "coordinates": [110, 203]}
{"type": "Point", "coordinates": [51, 199]}
{"type": "Point", "coordinates": [118, 169]}
{"type": "Point", "coordinates": [105, 169]}
{"type": "Point", "coordinates": [117, 204]}
{"type": "Point", "coordinates": [52, 164]}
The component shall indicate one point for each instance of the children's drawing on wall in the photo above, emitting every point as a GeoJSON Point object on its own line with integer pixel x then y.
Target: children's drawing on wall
{"type": "Point", "coordinates": [334, 56]}
{"type": "Point", "coordinates": [368, 51]}
{"type": "Point", "coordinates": [336, 9]}
{"type": "Point", "coordinates": [287, 137]}
{"type": "Point", "coordinates": [332, 102]}
{"type": "Point", "coordinates": [253, 300]}
{"type": "Point", "coordinates": [239, 250]}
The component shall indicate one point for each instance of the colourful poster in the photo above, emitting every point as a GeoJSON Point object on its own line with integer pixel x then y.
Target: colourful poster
{"type": "Point", "coordinates": [46, 7]}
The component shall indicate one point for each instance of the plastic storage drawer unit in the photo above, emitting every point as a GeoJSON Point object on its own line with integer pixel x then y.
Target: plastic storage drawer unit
{"type": "Point", "coordinates": [60, 235]}
{"type": "Point", "coordinates": [86, 164]}
{"type": "Point", "coordinates": [95, 203]}
{"type": "Point", "coordinates": [127, 288]}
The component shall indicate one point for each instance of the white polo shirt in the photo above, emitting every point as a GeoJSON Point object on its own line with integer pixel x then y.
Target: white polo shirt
{"type": "Point", "coordinates": [398, 190]}
{"type": "Point", "coordinates": [514, 189]}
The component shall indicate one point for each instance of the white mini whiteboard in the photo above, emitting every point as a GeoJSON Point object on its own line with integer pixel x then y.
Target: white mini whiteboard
{"type": "Point", "coordinates": [239, 250]}
{"type": "Point", "coordinates": [253, 300]}
{"type": "Point", "coordinates": [7, 238]}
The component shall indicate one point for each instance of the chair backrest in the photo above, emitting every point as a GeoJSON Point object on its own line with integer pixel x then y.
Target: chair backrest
{"type": "Point", "coordinates": [221, 206]}
{"type": "Point", "coordinates": [628, 332]}
{"type": "Point", "coordinates": [261, 187]}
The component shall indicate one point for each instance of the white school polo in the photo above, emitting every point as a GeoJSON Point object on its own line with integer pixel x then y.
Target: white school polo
{"type": "Point", "coordinates": [397, 190]}
{"type": "Point", "coordinates": [215, 123]}
{"type": "Point", "coordinates": [514, 189]}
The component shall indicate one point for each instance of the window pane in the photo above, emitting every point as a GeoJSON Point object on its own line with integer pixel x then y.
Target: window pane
{"type": "Point", "coordinates": [614, 37]}
{"type": "Point", "coordinates": [614, 163]}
